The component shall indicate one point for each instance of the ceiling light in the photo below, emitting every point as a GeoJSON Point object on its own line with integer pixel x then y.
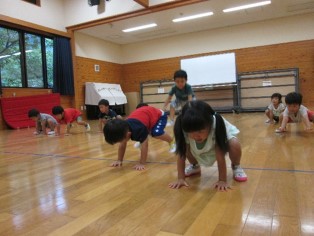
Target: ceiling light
{"type": "Point", "coordinates": [193, 17]}
{"type": "Point", "coordinates": [258, 4]}
{"type": "Point", "coordinates": [140, 27]}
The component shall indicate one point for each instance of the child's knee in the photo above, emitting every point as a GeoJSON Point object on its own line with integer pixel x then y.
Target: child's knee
{"type": "Point", "coordinates": [234, 146]}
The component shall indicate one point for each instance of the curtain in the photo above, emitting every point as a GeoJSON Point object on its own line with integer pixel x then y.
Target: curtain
{"type": "Point", "coordinates": [63, 67]}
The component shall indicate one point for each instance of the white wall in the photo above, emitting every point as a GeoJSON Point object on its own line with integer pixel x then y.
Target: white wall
{"type": "Point", "coordinates": [89, 47]}
{"type": "Point", "coordinates": [81, 12]}
{"type": "Point", "coordinates": [282, 30]}
{"type": "Point", "coordinates": [50, 14]}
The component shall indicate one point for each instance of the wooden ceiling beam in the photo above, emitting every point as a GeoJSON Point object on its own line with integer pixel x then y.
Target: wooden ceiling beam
{"type": "Point", "coordinates": [144, 3]}
{"type": "Point", "coordinates": [149, 10]}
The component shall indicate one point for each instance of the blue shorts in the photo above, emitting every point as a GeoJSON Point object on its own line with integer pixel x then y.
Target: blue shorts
{"type": "Point", "coordinates": [159, 127]}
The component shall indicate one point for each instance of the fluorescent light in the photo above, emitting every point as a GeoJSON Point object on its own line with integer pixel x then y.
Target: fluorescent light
{"type": "Point", "coordinates": [192, 17]}
{"type": "Point", "coordinates": [139, 27]}
{"type": "Point", "coordinates": [258, 4]}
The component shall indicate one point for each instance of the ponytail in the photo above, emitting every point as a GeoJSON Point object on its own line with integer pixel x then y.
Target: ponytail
{"type": "Point", "coordinates": [221, 133]}
{"type": "Point", "coordinates": [179, 137]}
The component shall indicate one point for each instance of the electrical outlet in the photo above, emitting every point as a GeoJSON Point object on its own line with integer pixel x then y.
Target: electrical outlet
{"type": "Point", "coordinates": [82, 108]}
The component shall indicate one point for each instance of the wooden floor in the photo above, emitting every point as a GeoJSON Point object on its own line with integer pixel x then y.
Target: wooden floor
{"type": "Point", "coordinates": [63, 186]}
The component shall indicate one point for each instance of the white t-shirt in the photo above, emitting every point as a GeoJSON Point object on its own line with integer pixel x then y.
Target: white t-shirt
{"type": "Point", "coordinates": [276, 111]}
{"type": "Point", "coordinates": [297, 118]}
{"type": "Point", "coordinates": [207, 156]}
{"type": "Point", "coordinates": [44, 116]}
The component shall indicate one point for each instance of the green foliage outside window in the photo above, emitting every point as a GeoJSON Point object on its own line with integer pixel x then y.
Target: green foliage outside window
{"type": "Point", "coordinates": [26, 60]}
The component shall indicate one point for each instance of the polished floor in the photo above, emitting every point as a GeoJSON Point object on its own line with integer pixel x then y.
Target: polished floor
{"type": "Point", "coordinates": [64, 186]}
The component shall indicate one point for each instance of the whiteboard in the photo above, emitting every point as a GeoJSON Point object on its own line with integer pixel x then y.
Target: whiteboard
{"type": "Point", "coordinates": [208, 70]}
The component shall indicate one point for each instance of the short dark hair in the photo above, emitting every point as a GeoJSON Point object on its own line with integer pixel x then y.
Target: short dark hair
{"type": "Point", "coordinates": [115, 130]}
{"type": "Point", "coordinates": [57, 110]}
{"type": "Point", "coordinates": [276, 95]}
{"type": "Point", "coordinates": [293, 98]}
{"type": "Point", "coordinates": [33, 113]}
{"type": "Point", "coordinates": [142, 104]}
{"type": "Point", "coordinates": [180, 74]}
{"type": "Point", "coordinates": [104, 102]}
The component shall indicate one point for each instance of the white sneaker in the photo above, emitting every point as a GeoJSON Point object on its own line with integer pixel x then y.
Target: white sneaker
{"type": "Point", "coordinates": [173, 147]}
{"type": "Point", "coordinates": [137, 145]}
{"type": "Point", "coordinates": [170, 123]}
{"type": "Point", "coordinates": [239, 174]}
{"type": "Point", "coordinates": [192, 170]}
{"type": "Point", "coordinates": [51, 132]}
{"type": "Point", "coordinates": [87, 127]}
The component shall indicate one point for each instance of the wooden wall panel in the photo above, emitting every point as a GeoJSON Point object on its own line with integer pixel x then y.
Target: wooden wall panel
{"type": "Point", "coordinates": [274, 81]}
{"type": "Point", "coordinates": [21, 92]}
{"type": "Point", "coordinates": [280, 56]}
{"type": "Point", "coordinates": [85, 72]}
{"type": "Point", "coordinates": [256, 102]}
{"type": "Point", "coordinates": [135, 73]}
{"type": "Point", "coordinates": [265, 91]}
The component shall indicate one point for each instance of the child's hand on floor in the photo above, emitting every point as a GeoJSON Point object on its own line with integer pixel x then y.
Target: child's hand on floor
{"type": "Point", "coordinates": [139, 167]}
{"type": "Point", "coordinates": [116, 164]}
{"type": "Point", "coordinates": [222, 186]}
{"type": "Point", "coordinates": [178, 184]}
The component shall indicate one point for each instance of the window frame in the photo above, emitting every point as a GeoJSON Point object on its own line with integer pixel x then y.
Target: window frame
{"type": "Point", "coordinates": [43, 37]}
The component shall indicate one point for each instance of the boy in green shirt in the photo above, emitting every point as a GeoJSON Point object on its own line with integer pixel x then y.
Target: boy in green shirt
{"type": "Point", "coordinates": [183, 92]}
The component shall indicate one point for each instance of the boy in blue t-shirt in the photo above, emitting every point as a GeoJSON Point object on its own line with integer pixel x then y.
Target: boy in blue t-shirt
{"type": "Point", "coordinates": [183, 92]}
{"type": "Point", "coordinates": [105, 113]}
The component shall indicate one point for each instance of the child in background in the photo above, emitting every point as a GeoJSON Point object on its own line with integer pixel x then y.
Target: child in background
{"type": "Point", "coordinates": [275, 108]}
{"type": "Point", "coordinates": [183, 92]}
{"type": "Point", "coordinates": [203, 137]}
{"type": "Point", "coordinates": [140, 123]}
{"type": "Point", "coordinates": [68, 116]}
{"type": "Point", "coordinates": [43, 121]}
{"type": "Point", "coordinates": [105, 113]}
{"type": "Point", "coordinates": [295, 113]}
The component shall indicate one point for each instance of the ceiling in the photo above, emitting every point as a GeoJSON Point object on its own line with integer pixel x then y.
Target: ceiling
{"type": "Point", "coordinates": [166, 28]}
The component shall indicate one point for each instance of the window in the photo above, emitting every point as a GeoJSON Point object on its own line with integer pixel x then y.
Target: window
{"type": "Point", "coordinates": [26, 59]}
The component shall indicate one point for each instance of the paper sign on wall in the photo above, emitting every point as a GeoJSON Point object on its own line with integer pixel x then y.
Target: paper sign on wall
{"type": "Point", "coordinates": [267, 83]}
{"type": "Point", "coordinates": [160, 90]}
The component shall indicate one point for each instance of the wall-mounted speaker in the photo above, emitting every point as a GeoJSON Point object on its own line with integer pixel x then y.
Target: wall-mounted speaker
{"type": "Point", "coordinates": [93, 2]}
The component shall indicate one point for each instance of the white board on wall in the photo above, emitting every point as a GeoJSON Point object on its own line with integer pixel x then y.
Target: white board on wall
{"type": "Point", "coordinates": [213, 69]}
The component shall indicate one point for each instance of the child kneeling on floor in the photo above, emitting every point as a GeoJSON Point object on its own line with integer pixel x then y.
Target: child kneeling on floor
{"type": "Point", "coordinates": [203, 137]}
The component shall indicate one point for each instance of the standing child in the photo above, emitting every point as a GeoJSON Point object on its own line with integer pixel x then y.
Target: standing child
{"type": "Point", "coordinates": [105, 113]}
{"type": "Point", "coordinates": [295, 113]}
{"type": "Point", "coordinates": [68, 116]}
{"type": "Point", "coordinates": [183, 92]}
{"type": "Point", "coordinates": [140, 123]}
{"type": "Point", "coordinates": [203, 137]}
{"type": "Point", "coordinates": [43, 121]}
{"type": "Point", "coordinates": [275, 108]}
